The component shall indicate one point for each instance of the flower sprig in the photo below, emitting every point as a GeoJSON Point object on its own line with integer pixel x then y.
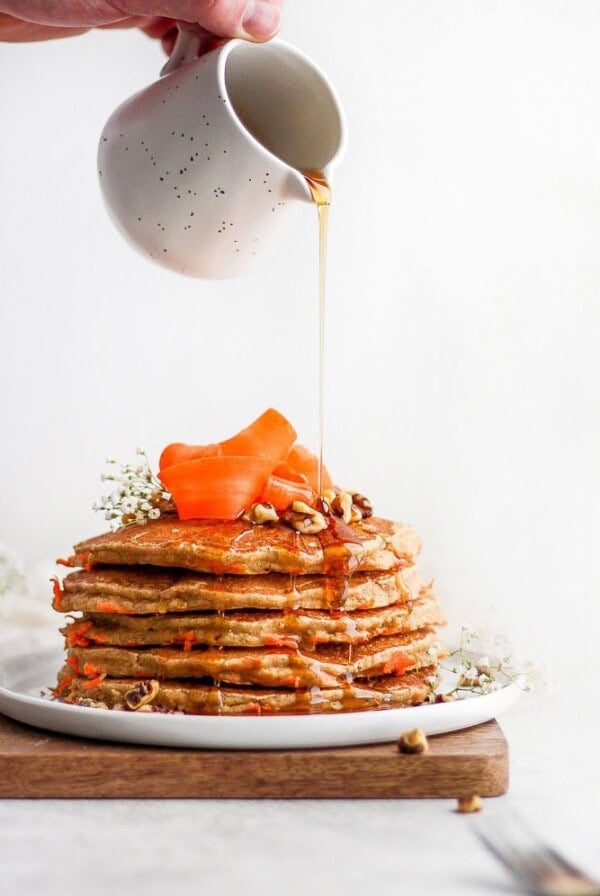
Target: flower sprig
{"type": "Point", "coordinates": [477, 673]}
{"type": "Point", "coordinates": [138, 495]}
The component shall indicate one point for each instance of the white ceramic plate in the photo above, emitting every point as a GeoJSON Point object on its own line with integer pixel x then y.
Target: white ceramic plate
{"type": "Point", "coordinates": [24, 677]}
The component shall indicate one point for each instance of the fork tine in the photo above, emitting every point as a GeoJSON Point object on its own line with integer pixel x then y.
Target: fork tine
{"type": "Point", "coordinates": [506, 856]}
{"type": "Point", "coordinates": [551, 858]}
{"type": "Point", "coordinates": [522, 855]}
{"type": "Point", "coordinates": [560, 860]}
{"type": "Point", "coordinates": [497, 853]}
{"type": "Point", "coordinates": [540, 867]}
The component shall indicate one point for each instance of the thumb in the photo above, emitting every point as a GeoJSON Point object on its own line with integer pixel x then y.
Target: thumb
{"type": "Point", "coordinates": [261, 19]}
{"type": "Point", "coordinates": [253, 19]}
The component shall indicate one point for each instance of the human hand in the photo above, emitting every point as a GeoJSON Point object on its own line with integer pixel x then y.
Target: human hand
{"type": "Point", "coordinates": [31, 20]}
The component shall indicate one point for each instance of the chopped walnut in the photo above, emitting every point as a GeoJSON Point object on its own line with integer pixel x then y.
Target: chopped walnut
{"type": "Point", "coordinates": [324, 501]}
{"type": "Point", "coordinates": [158, 500]}
{"type": "Point", "coordinates": [355, 514]}
{"type": "Point", "coordinates": [350, 507]}
{"type": "Point", "coordinates": [259, 514]}
{"type": "Point", "coordinates": [322, 505]}
{"type": "Point", "coordinates": [341, 506]}
{"type": "Point", "coordinates": [444, 698]}
{"type": "Point", "coordinates": [471, 803]}
{"type": "Point", "coordinates": [363, 505]}
{"type": "Point", "coordinates": [413, 742]}
{"type": "Point", "coordinates": [95, 704]}
{"type": "Point", "coordinates": [142, 694]}
{"type": "Point", "coordinates": [304, 519]}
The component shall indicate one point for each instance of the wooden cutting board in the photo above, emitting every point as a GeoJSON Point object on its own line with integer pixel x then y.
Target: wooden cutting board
{"type": "Point", "coordinates": [36, 763]}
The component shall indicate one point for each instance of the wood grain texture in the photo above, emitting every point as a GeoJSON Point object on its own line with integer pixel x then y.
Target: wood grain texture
{"type": "Point", "coordinates": [35, 764]}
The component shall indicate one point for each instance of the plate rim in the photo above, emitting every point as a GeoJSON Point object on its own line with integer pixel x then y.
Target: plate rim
{"type": "Point", "coordinates": [187, 731]}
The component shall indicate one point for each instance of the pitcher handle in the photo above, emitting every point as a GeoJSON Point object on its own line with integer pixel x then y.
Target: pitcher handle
{"type": "Point", "coordinates": [186, 48]}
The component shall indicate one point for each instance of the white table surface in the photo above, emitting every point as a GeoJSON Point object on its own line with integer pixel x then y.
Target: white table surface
{"type": "Point", "coordinates": [336, 847]}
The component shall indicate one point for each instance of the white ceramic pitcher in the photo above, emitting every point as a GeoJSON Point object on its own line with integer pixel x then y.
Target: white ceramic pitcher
{"type": "Point", "coordinates": [202, 169]}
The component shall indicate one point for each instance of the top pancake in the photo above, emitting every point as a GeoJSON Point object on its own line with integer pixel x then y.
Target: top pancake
{"type": "Point", "coordinates": [236, 547]}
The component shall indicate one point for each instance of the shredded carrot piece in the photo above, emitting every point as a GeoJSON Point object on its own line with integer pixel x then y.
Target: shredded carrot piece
{"type": "Point", "coordinates": [253, 709]}
{"type": "Point", "coordinates": [398, 664]}
{"type": "Point", "coordinates": [91, 671]}
{"type": "Point", "coordinates": [74, 639]}
{"type": "Point", "coordinates": [68, 561]}
{"type": "Point", "coordinates": [281, 641]}
{"type": "Point", "coordinates": [94, 681]}
{"type": "Point", "coordinates": [72, 662]}
{"type": "Point", "coordinates": [108, 607]}
{"type": "Point", "coordinates": [234, 569]}
{"type": "Point", "coordinates": [62, 687]}
{"type": "Point", "coordinates": [57, 592]}
{"type": "Point", "coordinates": [84, 560]}
{"type": "Point", "coordinates": [189, 639]}
{"type": "Point", "coordinates": [76, 634]}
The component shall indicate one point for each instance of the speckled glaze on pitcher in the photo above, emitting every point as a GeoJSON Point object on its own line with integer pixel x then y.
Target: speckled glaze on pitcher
{"type": "Point", "coordinates": [201, 171]}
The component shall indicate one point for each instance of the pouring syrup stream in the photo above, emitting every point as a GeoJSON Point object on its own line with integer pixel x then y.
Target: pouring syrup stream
{"type": "Point", "coordinates": [321, 194]}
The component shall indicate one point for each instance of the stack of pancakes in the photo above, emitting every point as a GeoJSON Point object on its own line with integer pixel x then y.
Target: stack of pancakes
{"type": "Point", "coordinates": [212, 617]}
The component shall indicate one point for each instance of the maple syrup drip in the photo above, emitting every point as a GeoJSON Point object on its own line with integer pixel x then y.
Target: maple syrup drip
{"type": "Point", "coordinates": [294, 592]}
{"type": "Point", "coordinates": [316, 699]}
{"type": "Point", "coordinates": [242, 535]}
{"type": "Point", "coordinates": [221, 615]}
{"type": "Point", "coordinates": [349, 673]}
{"type": "Point", "coordinates": [342, 551]}
{"type": "Point", "coordinates": [219, 696]}
{"type": "Point", "coordinates": [321, 194]}
{"type": "Point", "coordinates": [336, 591]}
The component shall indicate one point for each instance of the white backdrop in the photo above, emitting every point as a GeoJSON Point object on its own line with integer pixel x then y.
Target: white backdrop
{"type": "Point", "coordinates": [463, 320]}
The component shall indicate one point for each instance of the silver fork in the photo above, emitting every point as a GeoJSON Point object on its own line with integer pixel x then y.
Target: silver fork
{"type": "Point", "coordinates": [534, 863]}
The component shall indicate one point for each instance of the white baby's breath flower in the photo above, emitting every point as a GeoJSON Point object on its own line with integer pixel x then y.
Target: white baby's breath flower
{"type": "Point", "coordinates": [490, 672]}
{"type": "Point", "coordinates": [471, 674]}
{"type": "Point", "coordinates": [138, 495]}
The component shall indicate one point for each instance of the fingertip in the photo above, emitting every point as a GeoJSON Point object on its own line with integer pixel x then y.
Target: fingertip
{"type": "Point", "coordinates": [262, 19]}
